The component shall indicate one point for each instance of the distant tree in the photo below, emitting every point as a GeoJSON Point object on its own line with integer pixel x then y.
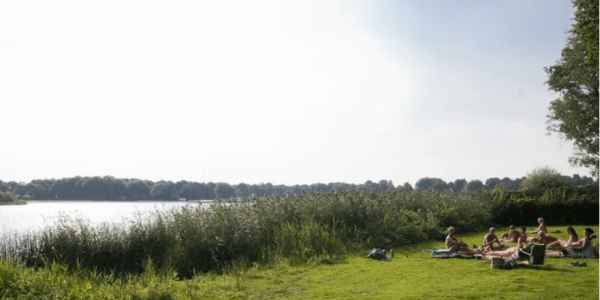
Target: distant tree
{"type": "Point", "coordinates": [297, 189]}
{"type": "Point", "coordinates": [30, 191]}
{"type": "Point", "coordinates": [577, 180]}
{"type": "Point", "coordinates": [385, 185]}
{"type": "Point", "coordinates": [224, 191]}
{"type": "Point", "coordinates": [459, 185]}
{"type": "Point", "coordinates": [242, 190]}
{"type": "Point", "coordinates": [268, 187]}
{"type": "Point", "coordinates": [405, 187]}
{"type": "Point", "coordinates": [491, 183]}
{"type": "Point", "coordinates": [574, 114]}
{"type": "Point", "coordinates": [370, 186]}
{"type": "Point", "coordinates": [320, 187]}
{"type": "Point", "coordinates": [91, 188]}
{"type": "Point", "coordinates": [136, 189]}
{"type": "Point", "coordinates": [474, 186]}
{"type": "Point", "coordinates": [278, 190]}
{"type": "Point", "coordinates": [164, 190]}
{"type": "Point", "coordinates": [543, 178]}
{"type": "Point", "coordinates": [429, 184]}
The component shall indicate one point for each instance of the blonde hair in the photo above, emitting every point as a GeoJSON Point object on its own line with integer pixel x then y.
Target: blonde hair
{"type": "Point", "coordinates": [540, 220]}
{"type": "Point", "coordinates": [450, 228]}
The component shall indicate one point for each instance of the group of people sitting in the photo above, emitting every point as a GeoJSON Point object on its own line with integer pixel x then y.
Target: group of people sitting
{"type": "Point", "coordinates": [574, 247]}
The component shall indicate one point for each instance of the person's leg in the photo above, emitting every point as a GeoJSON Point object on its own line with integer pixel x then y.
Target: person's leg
{"type": "Point", "coordinates": [556, 245]}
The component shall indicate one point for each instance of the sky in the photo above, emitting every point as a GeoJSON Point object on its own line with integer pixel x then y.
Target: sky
{"type": "Point", "coordinates": [286, 92]}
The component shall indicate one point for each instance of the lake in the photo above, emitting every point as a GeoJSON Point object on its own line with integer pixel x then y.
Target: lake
{"type": "Point", "coordinates": [35, 215]}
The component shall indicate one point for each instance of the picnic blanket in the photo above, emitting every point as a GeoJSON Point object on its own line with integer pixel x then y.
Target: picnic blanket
{"type": "Point", "coordinates": [445, 253]}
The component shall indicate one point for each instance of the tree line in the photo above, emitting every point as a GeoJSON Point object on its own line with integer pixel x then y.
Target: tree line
{"type": "Point", "coordinates": [111, 188]}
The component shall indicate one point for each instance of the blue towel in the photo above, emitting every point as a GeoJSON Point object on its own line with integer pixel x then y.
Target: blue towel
{"type": "Point", "coordinates": [443, 253]}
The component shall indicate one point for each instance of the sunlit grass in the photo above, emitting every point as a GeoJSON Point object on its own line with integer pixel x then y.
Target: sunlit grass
{"type": "Point", "coordinates": [291, 247]}
{"type": "Point", "coordinates": [412, 274]}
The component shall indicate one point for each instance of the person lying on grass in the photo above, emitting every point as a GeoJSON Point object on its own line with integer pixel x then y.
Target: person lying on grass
{"type": "Point", "coordinates": [509, 253]}
{"type": "Point", "coordinates": [577, 248]}
{"type": "Point", "coordinates": [511, 237]}
{"type": "Point", "coordinates": [454, 244]}
{"type": "Point", "coordinates": [489, 239]}
{"type": "Point", "coordinates": [543, 238]}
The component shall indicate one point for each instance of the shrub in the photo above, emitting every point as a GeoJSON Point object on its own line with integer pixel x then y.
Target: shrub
{"type": "Point", "coordinates": [544, 178]}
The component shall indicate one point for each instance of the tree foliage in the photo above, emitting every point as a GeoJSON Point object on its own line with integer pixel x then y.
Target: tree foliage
{"type": "Point", "coordinates": [123, 189]}
{"type": "Point", "coordinates": [574, 114]}
{"type": "Point", "coordinates": [544, 178]}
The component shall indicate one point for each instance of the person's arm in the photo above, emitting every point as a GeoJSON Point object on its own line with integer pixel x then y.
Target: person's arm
{"type": "Point", "coordinates": [488, 241]}
{"type": "Point", "coordinates": [497, 240]}
{"type": "Point", "coordinates": [581, 244]}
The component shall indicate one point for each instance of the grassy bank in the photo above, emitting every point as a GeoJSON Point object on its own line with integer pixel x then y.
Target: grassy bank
{"type": "Point", "coordinates": [16, 202]}
{"type": "Point", "coordinates": [269, 247]}
{"type": "Point", "coordinates": [412, 274]}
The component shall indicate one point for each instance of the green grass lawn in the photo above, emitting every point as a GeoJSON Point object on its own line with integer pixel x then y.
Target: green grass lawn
{"type": "Point", "coordinates": [412, 274]}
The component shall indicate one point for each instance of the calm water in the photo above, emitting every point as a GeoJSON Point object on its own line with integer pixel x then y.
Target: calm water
{"type": "Point", "coordinates": [37, 214]}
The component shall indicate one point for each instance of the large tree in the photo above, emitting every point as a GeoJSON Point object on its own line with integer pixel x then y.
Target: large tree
{"type": "Point", "coordinates": [574, 114]}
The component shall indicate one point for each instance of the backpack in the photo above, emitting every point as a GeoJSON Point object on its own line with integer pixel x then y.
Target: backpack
{"type": "Point", "coordinates": [379, 254]}
{"type": "Point", "coordinates": [509, 264]}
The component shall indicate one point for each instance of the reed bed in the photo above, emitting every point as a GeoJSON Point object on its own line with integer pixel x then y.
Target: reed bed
{"type": "Point", "coordinates": [298, 229]}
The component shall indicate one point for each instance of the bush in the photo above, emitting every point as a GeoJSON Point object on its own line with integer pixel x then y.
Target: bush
{"type": "Point", "coordinates": [7, 197]}
{"type": "Point", "coordinates": [556, 205]}
{"type": "Point", "coordinates": [544, 178]}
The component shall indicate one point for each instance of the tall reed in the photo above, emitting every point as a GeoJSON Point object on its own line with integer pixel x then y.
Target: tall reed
{"type": "Point", "coordinates": [318, 227]}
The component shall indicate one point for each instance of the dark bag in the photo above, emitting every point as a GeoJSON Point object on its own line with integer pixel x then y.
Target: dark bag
{"type": "Point", "coordinates": [379, 254]}
{"type": "Point", "coordinates": [509, 264]}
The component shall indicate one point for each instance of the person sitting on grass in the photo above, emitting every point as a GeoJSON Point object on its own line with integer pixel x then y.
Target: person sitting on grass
{"type": "Point", "coordinates": [542, 226]}
{"type": "Point", "coordinates": [511, 237]}
{"type": "Point", "coordinates": [543, 238]}
{"type": "Point", "coordinates": [489, 239]}
{"type": "Point", "coordinates": [453, 243]}
{"type": "Point", "coordinates": [523, 233]}
{"type": "Point", "coordinates": [563, 244]}
{"type": "Point", "coordinates": [579, 248]}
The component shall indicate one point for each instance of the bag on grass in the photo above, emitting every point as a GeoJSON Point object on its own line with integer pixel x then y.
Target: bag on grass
{"type": "Point", "coordinates": [380, 254]}
{"type": "Point", "coordinates": [509, 264]}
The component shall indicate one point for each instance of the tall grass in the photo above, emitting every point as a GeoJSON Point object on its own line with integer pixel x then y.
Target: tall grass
{"type": "Point", "coordinates": [305, 228]}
